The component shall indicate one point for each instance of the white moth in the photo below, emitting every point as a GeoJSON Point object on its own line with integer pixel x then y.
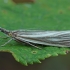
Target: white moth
{"type": "Point", "coordinates": [32, 37]}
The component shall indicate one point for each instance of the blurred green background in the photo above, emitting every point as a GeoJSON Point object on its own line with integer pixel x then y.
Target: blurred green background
{"type": "Point", "coordinates": [42, 15]}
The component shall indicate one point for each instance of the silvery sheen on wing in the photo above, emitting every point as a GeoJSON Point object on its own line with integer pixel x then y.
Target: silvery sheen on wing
{"type": "Point", "coordinates": [32, 37]}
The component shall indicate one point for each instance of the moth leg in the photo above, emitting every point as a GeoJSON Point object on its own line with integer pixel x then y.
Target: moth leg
{"type": "Point", "coordinates": [5, 37]}
{"type": "Point", "coordinates": [32, 45]}
{"type": "Point", "coordinates": [6, 42]}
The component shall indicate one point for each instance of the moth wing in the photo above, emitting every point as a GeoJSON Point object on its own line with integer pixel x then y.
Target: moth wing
{"type": "Point", "coordinates": [52, 38]}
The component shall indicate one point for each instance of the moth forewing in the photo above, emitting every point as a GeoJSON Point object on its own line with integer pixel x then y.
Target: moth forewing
{"type": "Point", "coordinates": [52, 38]}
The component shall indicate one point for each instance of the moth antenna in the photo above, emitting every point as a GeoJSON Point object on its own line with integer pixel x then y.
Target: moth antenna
{"type": "Point", "coordinates": [4, 30]}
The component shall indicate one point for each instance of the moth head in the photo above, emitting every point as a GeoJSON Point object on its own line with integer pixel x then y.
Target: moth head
{"type": "Point", "coordinates": [10, 34]}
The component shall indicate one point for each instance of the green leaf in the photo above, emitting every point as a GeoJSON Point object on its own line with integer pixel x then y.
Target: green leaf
{"type": "Point", "coordinates": [41, 15]}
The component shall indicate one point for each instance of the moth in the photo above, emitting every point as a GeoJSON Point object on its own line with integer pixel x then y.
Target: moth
{"type": "Point", "coordinates": [42, 37]}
